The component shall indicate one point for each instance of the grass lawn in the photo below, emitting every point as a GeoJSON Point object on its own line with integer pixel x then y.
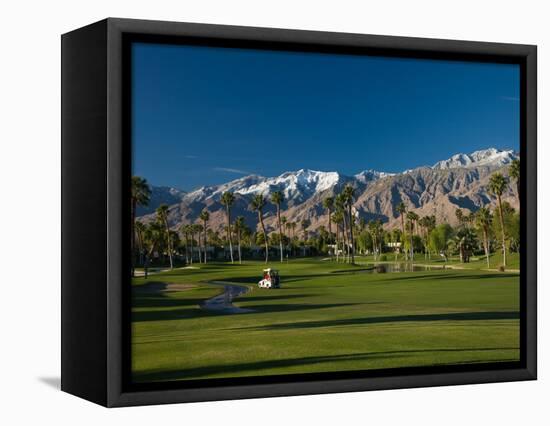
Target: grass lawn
{"type": "Point", "coordinates": [321, 321]}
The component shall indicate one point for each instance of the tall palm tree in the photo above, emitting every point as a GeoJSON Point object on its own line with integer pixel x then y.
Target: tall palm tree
{"type": "Point", "coordinates": [497, 185]}
{"type": "Point", "coordinates": [162, 215]}
{"type": "Point", "coordinates": [349, 194]}
{"type": "Point", "coordinates": [152, 237]}
{"type": "Point", "coordinates": [198, 230]}
{"type": "Point", "coordinates": [328, 204]}
{"type": "Point", "coordinates": [401, 209]}
{"type": "Point", "coordinates": [284, 224]}
{"type": "Point", "coordinates": [483, 222]}
{"type": "Point", "coordinates": [515, 173]}
{"type": "Point", "coordinates": [340, 205]}
{"type": "Point", "coordinates": [412, 217]}
{"type": "Point", "coordinates": [239, 228]}
{"type": "Point", "coordinates": [184, 229]}
{"type": "Point", "coordinates": [277, 198]}
{"type": "Point", "coordinates": [373, 231]}
{"type": "Point", "coordinates": [337, 219]}
{"type": "Point", "coordinates": [257, 204]}
{"type": "Point", "coordinates": [192, 231]}
{"type": "Point", "coordinates": [305, 223]}
{"type": "Point", "coordinates": [140, 196]}
{"type": "Point", "coordinates": [227, 200]}
{"type": "Point", "coordinates": [140, 229]}
{"type": "Point", "coordinates": [293, 226]}
{"type": "Point", "coordinates": [205, 216]}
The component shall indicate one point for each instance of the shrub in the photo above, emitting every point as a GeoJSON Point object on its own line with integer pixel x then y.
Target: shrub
{"type": "Point", "coordinates": [383, 258]}
{"type": "Point", "coordinates": [501, 268]}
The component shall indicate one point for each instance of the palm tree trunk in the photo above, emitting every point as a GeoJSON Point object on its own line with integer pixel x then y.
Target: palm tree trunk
{"type": "Point", "coordinates": [486, 244]}
{"type": "Point", "coordinates": [169, 241]}
{"type": "Point", "coordinates": [204, 242]}
{"type": "Point", "coordinates": [329, 225]}
{"type": "Point", "coordinates": [403, 236]}
{"type": "Point", "coordinates": [199, 246]}
{"type": "Point", "coordinates": [192, 246]}
{"type": "Point", "coordinates": [265, 236]}
{"type": "Point", "coordinates": [228, 210]}
{"type": "Point", "coordinates": [501, 215]}
{"type": "Point", "coordinates": [352, 248]}
{"type": "Point", "coordinates": [239, 245]}
{"type": "Point", "coordinates": [280, 231]}
{"type": "Point", "coordinates": [337, 242]}
{"type": "Point", "coordinates": [345, 242]}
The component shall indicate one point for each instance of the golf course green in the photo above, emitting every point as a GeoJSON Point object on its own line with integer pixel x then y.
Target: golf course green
{"type": "Point", "coordinates": [327, 316]}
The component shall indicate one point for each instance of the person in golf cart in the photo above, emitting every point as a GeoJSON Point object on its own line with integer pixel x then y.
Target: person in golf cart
{"type": "Point", "coordinates": [270, 280]}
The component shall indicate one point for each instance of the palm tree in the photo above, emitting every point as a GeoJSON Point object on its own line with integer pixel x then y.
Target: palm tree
{"type": "Point", "coordinates": [373, 231]}
{"type": "Point", "coordinates": [483, 222]}
{"type": "Point", "coordinates": [192, 231]}
{"type": "Point", "coordinates": [293, 226]}
{"type": "Point", "coordinates": [348, 197]}
{"type": "Point", "coordinates": [152, 237]}
{"type": "Point", "coordinates": [185, 231]}
{"type": "Point", "coordinates": [305, 223]}
{"type": "Point", "coordinates": [328, 203]}
{"type": "Point", "coordinates": [395, 235]}
{"type": "Point", "coordinates": [140, 196]}
{"type": "Point", "coordinates": [162, 215]}
{"type": "Point", "coordinates": [338, 220]}
{"type": "Point", "coordinates": [205, 216]}
{"type": "Point", "coordinates": [284, 223]}
{"type": "Point", "coordinates": [257, 204]}
{"type": "Point", "coordinates": [277, 198]}
{"type": "Point", "coordinates": [497, 185]}
{"type": "Point", "coordinates": [239, 228]}
{"type": "Point", "coordinates": [198, 230]}
{"type": "Point", "coordinates": [140, 229]}
{"type": "Point", "coordinates": [340, 204]}
{"type": "Point", "coordinates": [412, 217]}
{"type": "Point", "coordinates": [227, 200]}
{"type": "Point", "coordinates": [401, 209]}
{"type": "Point", "coordinates": [515, 173]}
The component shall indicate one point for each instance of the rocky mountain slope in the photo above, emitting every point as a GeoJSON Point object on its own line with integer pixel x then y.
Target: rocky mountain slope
{"type": "Point", "coordinates": [458, 182]}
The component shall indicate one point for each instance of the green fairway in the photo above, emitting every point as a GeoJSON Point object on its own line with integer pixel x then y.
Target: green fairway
{"type": "Point", "coordinates": [326, 317]}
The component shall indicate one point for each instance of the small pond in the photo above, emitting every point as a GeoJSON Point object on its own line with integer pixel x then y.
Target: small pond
{"type": "Point", "coordinates": [370, 268]}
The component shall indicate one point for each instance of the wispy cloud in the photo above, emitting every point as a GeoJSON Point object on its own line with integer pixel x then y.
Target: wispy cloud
{"type": "Point", "coordinates": [229, 170]}
{"type": "Point", "coordinates": [510, 98]}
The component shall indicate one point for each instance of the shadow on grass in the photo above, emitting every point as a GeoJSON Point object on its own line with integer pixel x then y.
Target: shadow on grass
{"type": "Point", "coordinates": [459, 316]}
{"type": "Point", "coordinates": [178, 314]}
{"type": "Point", "coordinates": [229, 369]}
{"type": "Point", "coordinates": [269, 298]}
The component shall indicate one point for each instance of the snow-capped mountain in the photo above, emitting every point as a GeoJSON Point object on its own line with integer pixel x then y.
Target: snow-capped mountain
{"type": "Point", "coordinates": [161, 195]}
{"type": "Point", "coordinates": [487, 157]}
{"type": "Point", "coordinates": [296, 186]}
{"type": "Point", "coordinates": [371, 175]}
{"type": "Point", "coordinates": [458, 182]}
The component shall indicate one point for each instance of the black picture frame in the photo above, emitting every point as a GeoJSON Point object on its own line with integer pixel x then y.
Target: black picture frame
{"type": "Point", "coordinates": [96, 155]}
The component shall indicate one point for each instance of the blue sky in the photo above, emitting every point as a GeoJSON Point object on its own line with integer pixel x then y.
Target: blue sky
{"type": "Point", "coordinates": [205, 115]}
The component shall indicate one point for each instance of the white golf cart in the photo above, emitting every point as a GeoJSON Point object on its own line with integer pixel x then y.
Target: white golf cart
{"type": "Point", "coordinates": [270, 280]}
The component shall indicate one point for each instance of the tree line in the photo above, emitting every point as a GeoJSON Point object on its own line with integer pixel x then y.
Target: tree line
{"type": "Point", "coordinates": [347, 234]}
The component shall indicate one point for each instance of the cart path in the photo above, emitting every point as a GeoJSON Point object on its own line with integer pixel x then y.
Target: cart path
{"type": "Point", "coordinates": [222, 303]}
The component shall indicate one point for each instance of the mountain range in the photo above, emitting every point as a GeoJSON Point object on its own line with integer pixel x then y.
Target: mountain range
{"type": "Point", "coordinates": [458, 182]}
